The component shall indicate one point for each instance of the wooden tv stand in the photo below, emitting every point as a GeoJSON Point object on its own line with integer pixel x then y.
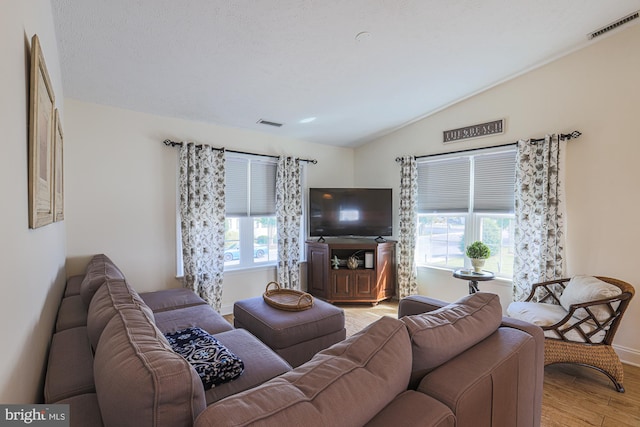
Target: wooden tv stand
{"type": "Point", "coordinates": [369, 285]}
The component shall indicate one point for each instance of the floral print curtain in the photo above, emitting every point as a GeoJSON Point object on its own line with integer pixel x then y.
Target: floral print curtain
{"type": "Point", "coordinates": [202, 216]}
{"type": "Point", "coordinates": [539, 214]}
{"type": "Point", "coordinates": [407, 281]}
{"type": "Point", "coordinates": [288, 215]}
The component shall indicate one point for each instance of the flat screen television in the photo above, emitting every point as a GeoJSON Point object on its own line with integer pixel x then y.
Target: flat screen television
{"type": "Point", "coordinates": [343, 212]}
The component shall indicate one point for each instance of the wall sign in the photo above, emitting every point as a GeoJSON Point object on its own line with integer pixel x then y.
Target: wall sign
{"type": "Point", "coordinates": [474, 131]}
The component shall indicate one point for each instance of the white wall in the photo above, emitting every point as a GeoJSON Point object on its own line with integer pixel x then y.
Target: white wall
{"type": "Point", "coordinates": [595, 90]}
{"type": "Point", "coordinates": [121, 190]}
{"type": "Point", "coordinates": [32, 261]}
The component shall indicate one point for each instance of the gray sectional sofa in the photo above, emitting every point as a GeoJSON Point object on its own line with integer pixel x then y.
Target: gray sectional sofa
{"type": "Point", "coordinates": [109, 359]}
{"type": "Point", "coordinates": [458, 364]}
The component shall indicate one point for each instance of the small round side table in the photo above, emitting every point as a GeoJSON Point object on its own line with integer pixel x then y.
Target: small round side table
{"type": "Point", "coordinates": [473, 278]}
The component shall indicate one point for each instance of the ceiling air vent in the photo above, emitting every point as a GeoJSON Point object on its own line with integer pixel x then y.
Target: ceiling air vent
{"type": "Point", "coordinates": [613, 25]}
{"type": "Point", "coordinates": [267, 122]}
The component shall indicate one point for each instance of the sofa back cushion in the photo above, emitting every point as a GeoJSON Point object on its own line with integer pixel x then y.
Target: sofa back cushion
{"type": "Point", "coordinates": [140, 381]}
{"type": "Point", "coordinates": [112, 296]}
{"type": "Point", "coordinates": [344, 385]}
{"type": "Point", "coordinates": [99, 269]}
{"type": "Point", "coordinates": [439, 335]}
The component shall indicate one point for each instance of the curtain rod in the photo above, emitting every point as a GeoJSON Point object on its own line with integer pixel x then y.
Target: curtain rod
{"type": "Point", "coordinates": [170, 143]}
{"type": "Point", "coordinates": [567, 136]}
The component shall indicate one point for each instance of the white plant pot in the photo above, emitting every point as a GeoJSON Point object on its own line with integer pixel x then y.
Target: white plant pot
{"type": "Point", "coordinates": [477, 264]}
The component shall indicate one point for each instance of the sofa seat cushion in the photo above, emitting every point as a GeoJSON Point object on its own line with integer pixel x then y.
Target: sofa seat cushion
{"type": "Point", "coordinates": [83, 410]}
{"type": "Point", "coordinates": [344, 385]}
{"type": "Point", "coordinates": [492, 383]}
{"type": "Point", "coordinates": [260, 364]}
{"type": "Point", "coordinates": [170, 299]}
{"type": "Point", "coordinates": [71, 314]}
{"type": "Point", "coordinates": [413, 408]}
{"type": "Point", "coordinates": [302, 352]}
{"type": "Point", "coordinates": [197, 316]}
{"type": "Point", "coordinates": [99, 269]}
{"type": "Point", "coordinates": [213, 362]}
{"type": "Point", "coordinates": [543, 314]}
{"type": "Point", "coordinates": [70, 365]}
{"type": "Point", "coordinates": [73, 285]}
{"type": "Point", "coordinates": [439, 335]}
{"type": "Point", "coordinates": [112, 296]}
{"type": "Point", "coordinates": [140, 381]}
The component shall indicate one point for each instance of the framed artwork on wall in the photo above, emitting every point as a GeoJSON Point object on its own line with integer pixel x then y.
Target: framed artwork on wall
{"type": "Point", "coordinates": [41, 130]}
{"type": "Point", "coordinates": [58, 170]}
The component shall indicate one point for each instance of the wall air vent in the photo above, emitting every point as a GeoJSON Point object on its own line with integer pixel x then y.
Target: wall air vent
{"type": "Point", "coordinates": [267, 122]}
{"type": "Point", "coordinates": [613, 25]}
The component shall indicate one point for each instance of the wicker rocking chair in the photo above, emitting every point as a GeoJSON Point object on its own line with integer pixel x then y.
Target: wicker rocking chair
{"type": "Point", "coordinates": [581, 333]}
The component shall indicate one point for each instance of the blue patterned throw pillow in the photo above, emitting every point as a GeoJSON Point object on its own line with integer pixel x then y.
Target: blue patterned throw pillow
{"type": "Point", "coordinates": [213, 362]}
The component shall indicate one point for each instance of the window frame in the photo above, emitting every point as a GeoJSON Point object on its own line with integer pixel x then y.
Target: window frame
{"type": "Point", "coordinates": [246, 229]}
{"type": "Point", "coordinates": [446, 215]}
{"type": "Point", "coordinates": [246, 244]}
{"type": "Point", "coordinates": [246, 222]}
{"type": "Point", "coordinates": [478, 216]}
{"type": "Point", "coordinates": [472, 219]}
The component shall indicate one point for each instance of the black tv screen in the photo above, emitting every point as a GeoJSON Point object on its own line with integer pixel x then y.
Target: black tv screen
{"type": "Point", "coordinates": [336, 212]}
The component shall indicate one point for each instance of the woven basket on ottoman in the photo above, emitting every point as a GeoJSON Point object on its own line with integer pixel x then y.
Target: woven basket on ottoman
{"type": "Point", "coordinates": [295, 335]}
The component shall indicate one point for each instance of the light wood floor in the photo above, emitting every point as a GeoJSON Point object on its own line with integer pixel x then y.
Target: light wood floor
{"type": "Point", "coordinates": [573, 396]}
{"type": "Point", "coordinates": [579, 396]}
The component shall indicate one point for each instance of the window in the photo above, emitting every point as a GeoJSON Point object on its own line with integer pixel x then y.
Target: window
{"type": "Point", "coordinates": [250, 204]}
{"type": "Point", "coordinates": [250, 226]}
{"type": "Point", "coordinates": [463, 198]}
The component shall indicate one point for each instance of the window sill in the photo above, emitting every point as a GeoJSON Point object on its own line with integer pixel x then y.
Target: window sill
{"type": "Point", "coordinates": [505, 281]}
{"type": "Point", "coordinates": [240, 270]}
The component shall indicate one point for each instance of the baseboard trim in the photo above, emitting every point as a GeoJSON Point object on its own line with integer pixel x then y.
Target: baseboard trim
{"type": "Point", "coordinates": [226, 309]}
{"type": "Point", "coordinates": [628, 355]}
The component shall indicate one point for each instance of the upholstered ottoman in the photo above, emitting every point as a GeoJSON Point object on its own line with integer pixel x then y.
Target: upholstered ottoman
{"type": "Point", "coordinates": [295, 335]}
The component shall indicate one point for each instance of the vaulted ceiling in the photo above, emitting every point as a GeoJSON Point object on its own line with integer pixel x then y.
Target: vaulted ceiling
{"type": "Point", "coordinates": [358, 68]}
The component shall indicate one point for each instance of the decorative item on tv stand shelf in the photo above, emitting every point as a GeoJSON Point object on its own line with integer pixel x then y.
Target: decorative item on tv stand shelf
{"type": "Point", "coordinates": [353, 261]}
{"type": "Point", "coordinates": [478, 252]}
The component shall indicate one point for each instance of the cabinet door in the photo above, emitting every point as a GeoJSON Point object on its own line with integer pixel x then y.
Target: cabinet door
{"type": "Point", "coordinates": [364, 284]}
{"type": "Point", "coordinates": [385, 264]}
{"type": "Point", "coordinates": [317, 268]}
{"type": "Point", "coordinates": [341, 284]}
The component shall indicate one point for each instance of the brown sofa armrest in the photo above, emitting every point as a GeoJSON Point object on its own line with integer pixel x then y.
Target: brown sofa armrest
{"type": "Point", "coordinates": [533, 330]}
{"type": "Point", "coordinates": [538, 335]}
{"type": "Point", "coordinates": [414, 409]}
{"type": "Point", "coordinates": [495, 382]}
{"type": "Point", "coordinates": [418, 304]}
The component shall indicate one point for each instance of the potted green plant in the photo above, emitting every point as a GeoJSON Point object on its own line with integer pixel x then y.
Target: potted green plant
{"type": "Point", "coordinates": [478, 252]}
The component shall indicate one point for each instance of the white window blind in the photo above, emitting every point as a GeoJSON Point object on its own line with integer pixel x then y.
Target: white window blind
{"type": "Point", "coordinates": [494, 182]}
{"type": "Point", "coordinates": [250, 187]}
{"type": "Point", "coordinates": [236, 185]}
{"type": "Point", "coordinates": [443, 185]}
{"type": "Point", "coordinates": [263, 188]}
{"type": "Point", "coordinates": [446, 185]}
